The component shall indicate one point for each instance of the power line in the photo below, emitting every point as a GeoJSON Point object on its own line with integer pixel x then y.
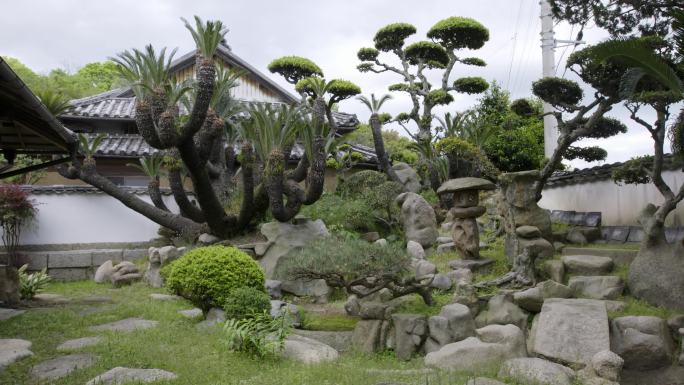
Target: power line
{"type": "Point", "coordinates": [515, 43]}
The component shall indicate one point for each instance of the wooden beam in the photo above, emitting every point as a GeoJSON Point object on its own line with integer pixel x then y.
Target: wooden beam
{"type": "Point", "coordinates": [34, 167]}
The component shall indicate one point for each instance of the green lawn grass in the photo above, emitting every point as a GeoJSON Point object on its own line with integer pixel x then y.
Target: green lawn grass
{"type": "Point", "coordinates": [198, 357]}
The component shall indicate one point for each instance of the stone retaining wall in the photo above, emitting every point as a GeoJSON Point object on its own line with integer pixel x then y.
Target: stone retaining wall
{"type": "Point", "coordinates": [74, 265]}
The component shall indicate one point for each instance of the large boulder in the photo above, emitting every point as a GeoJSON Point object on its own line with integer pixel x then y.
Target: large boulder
{"type": "Point", "coordinates": [644, 343]}
{"type": "Point", "coordinates": [125, 273]}
{"type": "Point", "coordinates": [587, 264]}
{"type": "Point", "coordinates": [496, 343]}
{"type": "Point", "coordinates": [657, 275]}
{"type": "Point", "coordinates": [408, 177]}
{"type": "Point", "coordinates": [316, 289]}
{"type": "Point", "coordinates": [607, 365]}
{"type": "Point", "coordinates": [308, 350]}
{"type": "Point", "coordinates": [571, 331]}
{"type": "Point", "coordinates": [418, 217]}
{"type": "Point", "coordinates": [454, 323]}
{"type": "Point", "coordinates": [597, 287]}
{"type": "Point", "coordinates": [537, 371]}
{"type": "Point", "coordinates": [370, 336]}
{"type": "Point", "coordinates": [158, 258]}
{"type": "Point", "coordinates": [410, 331]}
{"type": "Point", "coordinates": [502, 311]}
{"type": "Point", "coordinates": [533, 298]}
{"type": "Point", "coordinates": [285, 237]}
{"type": "Point", "coordinates": [104, 272]}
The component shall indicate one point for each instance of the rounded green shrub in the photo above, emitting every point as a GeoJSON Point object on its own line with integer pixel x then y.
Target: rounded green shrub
{"type": "Point", "coordinates": [426, 51]}
{"type": "Point", "coordinates": [341, 89]}
{"type": "Point", "coordinates": [392, 36]}
{"type": "Point", "coordinates": [245, 302]}
{"type": "Point", "coordinates": [294, 68]}
{"type": "Point", "coordinates": [459, 32]}
{"type": "Point", "coordinates": [557, 91]}
{"type": "Point", "coordinates": [208, 275]}
{"type": "Point", "coordinates": [437, 97]}
{"type": "Point", "coordinates": [367, 54]}
{"type": "Point", "coordinates": [471, 85]}
{"type": "Point", "coordinates": [358, 183]}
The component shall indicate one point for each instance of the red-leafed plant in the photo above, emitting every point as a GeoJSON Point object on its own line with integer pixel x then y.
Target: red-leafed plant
{"type": "Point", "coordinates": [16, 210]}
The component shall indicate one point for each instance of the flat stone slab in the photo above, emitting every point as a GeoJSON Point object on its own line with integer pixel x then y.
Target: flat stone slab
{"type": "Point", "coordinates": [50, 299]}
{"type": "Point", "coordinates": [6, 314]}
{"type": "Point", "coordinates": [61, 366]}
{"type": "Point", "coordinates": [571, 331]}
{"type": "Point", "coordinates": [164, 297]}
{"type": "Point", "coordinates": [472, 264]}
{"type": "Point", "coordinates": [12, 350]}
{"type": "Point", "coordinates": [125, 325]}
{"type": "Point", "coordinates": [191, 313]}
{"type": "Point", "coordinates": [79, 343]}
{"type": "Point", "coordinates": [537, 371]}
{"type": "Point", "coordinates": [587, 264]}
{"type": "Point", "coordinates": [120, 375]}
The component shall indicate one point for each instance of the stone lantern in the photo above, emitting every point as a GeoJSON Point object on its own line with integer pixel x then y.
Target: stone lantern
{"type": "Point", "coordinates": [465, 210]}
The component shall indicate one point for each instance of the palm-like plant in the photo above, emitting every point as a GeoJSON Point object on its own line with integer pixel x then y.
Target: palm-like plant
{"type": "Point", "coordinates": [374, 105]}
{"type": "Point", "coordinates": [145, 70]}
{"type": "Point", "coordinates": [452, 125]}
{"type": "Point", "coordinates": [152, 167]}
{"type": "Point", "coordinates": [55, 102]}
{"type": "Point", "coordinates": [271, 129]}
{"type": "Point", "coordinates": [89, 148]}
{"type": "Point", "coordinates": [207, 35]}
{"type": "Point", "coordinates": [469, 126]}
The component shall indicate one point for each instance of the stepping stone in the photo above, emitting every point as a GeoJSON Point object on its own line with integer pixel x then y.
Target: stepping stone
{"type": "Point", "coordinates": [6, 314]}
{"type": "Point", "coordinates": [571, 331]}
{"type": "Point", "coordinates": [587, 264]}
{"type": "Point", "coordinates": [191, 313]}
{"type": "Point", "coordinates": [164, 297]}
{"type": "Point", "coordinates": [472, 264]}
{"type": "Point", "coordinates": [125, 325]}
{"type": "Point", "coordinates": [213, 318]}
{"type": "Point", "coordinates": [537, 371]}
{"type": "Point", "coordinates": [120, 375]}
{"type": "Point", "coordinates": [79, 343]}
{"type": "Point", "coordinates": [50, 299]}
{"type": "Point", "coordinates": [96, 299]}
{"type": "Point", "coordinates": [12, 350]}
{"type": "Point", "coordinates": [61, 366]}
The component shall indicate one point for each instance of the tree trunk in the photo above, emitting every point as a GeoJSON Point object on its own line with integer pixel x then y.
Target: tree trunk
{"type": "Point", "coordinates": [381, 154]}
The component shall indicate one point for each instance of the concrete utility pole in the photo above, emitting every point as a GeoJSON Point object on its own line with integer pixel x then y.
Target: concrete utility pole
{"type": "Point", "coordinates": [548, 45]}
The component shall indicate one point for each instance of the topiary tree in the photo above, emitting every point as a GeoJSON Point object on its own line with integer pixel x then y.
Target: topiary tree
{"type": "Point", "coordinates": [447, 37]}
{"type": "Point", "coordinates": [359, 267]}
{"type": "Point", "coordinates": [207, 276]}
{"type": "Point", "coordinates": [200, 143]}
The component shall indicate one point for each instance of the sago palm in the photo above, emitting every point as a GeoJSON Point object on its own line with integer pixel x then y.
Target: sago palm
{"type": "Point", "coordinates": [374, 105]}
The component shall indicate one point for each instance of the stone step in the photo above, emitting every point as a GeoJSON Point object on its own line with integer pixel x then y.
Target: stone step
{"type": "Point", "coordinates": [583, 264]}
{"type": "Point", "coordinates": [619, 256]}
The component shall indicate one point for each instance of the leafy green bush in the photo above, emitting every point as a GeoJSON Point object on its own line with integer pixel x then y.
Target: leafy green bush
{"type": "Point", "coordinates": [358, 183]}
{"type": "Point", "coordinates": [245, 302]}
{"type": "Point", "coordinates": [208, 275]}
{"type": "Point", "coordinates": [353, 264]}
{"type": "Point", "coordinates": [32, 284]}
{"type": "Point", "coordinates": [339, 213]}
{"type": "Point", "coordinates": [260, 336]}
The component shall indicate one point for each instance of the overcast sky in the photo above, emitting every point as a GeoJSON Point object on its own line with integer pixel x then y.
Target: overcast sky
{"type": "Point", "coordinates": [70, 33]}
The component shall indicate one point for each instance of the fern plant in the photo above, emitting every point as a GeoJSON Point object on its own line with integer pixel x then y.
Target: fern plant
{"type": "Point", "coordinates": [32, 284]}
{"type": "Point", "coordinates": [260, 336]}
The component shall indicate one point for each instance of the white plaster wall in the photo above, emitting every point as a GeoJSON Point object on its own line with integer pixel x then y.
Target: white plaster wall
{"type": "Point", "coordinates": [88, 218]}
{"type": "Point", "coordinates": [619, 205]}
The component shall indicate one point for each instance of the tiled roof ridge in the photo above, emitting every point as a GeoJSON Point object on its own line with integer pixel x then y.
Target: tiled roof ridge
{"type": "Point", "coordinates": [600, 172]}
{"type": "Point", "coordinates": [82, 189]}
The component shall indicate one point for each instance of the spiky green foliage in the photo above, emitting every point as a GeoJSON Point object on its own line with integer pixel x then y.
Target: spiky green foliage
{"type": "Point", "coordinates": [558, 92]}
{"type": "Point", "coordinates": [392, 36]}
{"type": "Point", "coordinates": [437, 97]}
{"type": "Point", "coordinates": [426, 51]}
{"type": "Point", "coordinates": [271, 128]}
{"type": "Point", "coordinates": [89, 148]}
{"type": "Point", "coordinates": [459, 32]}
{"type": "Point", "coordinates": [259, 336]}
{"type": "Point", "coordinates": [150, 165]}
{"type": "Point", "coordinates": [146, 70]}
{"type": "Point", "coordinates": [295, 68]}
{"type": "Point", "coordinates": [471, 85]}
{"type": "Point", "coordinates": [588, 154]}
{"type": "Point", "coordinates": [367, 54]}
{"type": "Point", "coordinates": [32, 284]}
{"type": "Point", "coordinates": [207, 35]}
{"type": "Point", "coordinates": [474, 61]}
{"type": "Point", "coordinates": [374, 105]}
{"type": "Point", "coordinates": [55, 102]}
